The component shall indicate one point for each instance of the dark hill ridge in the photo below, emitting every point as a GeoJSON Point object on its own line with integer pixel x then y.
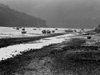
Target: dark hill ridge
{"type": "Point", "coordinates": [13, 18]}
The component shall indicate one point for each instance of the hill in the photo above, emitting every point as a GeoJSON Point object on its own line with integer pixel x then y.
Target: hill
{"type": "Point", "coordinates": [12, 18]}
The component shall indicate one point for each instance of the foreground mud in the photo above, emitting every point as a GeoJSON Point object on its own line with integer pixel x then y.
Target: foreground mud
{"type": "Point", "coordinates": [48, 62]}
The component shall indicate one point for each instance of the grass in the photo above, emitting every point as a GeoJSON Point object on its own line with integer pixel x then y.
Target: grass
{"type": "Point", "coordinates": [44, 62]}
{"type": "Point", "coordinates": [47, 61]}
{"type": "Point", "coordinates": [75, 42]}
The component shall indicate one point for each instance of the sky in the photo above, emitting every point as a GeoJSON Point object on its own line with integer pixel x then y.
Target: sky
{"type": "Point", "coordinates": [60, 13]}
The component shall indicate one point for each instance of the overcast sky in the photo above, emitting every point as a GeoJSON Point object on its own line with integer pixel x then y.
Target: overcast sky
{"type": "Point", "coordinates": [60, 12]}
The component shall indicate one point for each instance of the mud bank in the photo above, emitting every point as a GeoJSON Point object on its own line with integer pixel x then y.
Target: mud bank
{"type": "Point", "coordinates": [48, 61]}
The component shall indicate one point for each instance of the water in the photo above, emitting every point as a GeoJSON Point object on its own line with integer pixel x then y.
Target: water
{"type": "Point", "coordinates": [13, 50]}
